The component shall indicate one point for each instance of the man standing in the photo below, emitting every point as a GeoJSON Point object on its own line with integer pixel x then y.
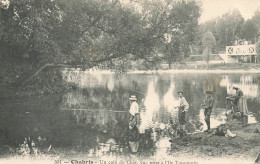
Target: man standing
{"type": "Point", "coordinates": [134, 123]}
{"type": "Point", "coordinates": [207, 106]}
{"type": "Point", "coordinates": [134, 111]}
{"type": "Point", "coordinates": [183, 107]}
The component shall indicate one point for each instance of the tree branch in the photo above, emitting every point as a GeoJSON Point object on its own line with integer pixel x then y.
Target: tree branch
{"type": "Point", "coordinates": [44, 66]}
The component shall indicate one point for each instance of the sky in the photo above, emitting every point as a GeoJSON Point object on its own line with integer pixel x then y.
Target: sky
{"type": "Point", "coordinates": [215, 8]}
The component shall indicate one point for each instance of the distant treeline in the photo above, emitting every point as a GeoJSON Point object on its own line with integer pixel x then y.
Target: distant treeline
{"type": "Point", "coordinates": [231, 29]}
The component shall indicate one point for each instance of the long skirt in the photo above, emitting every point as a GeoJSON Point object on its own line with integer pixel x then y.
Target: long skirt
{"type": "Point", "coordinates": [242, 106]}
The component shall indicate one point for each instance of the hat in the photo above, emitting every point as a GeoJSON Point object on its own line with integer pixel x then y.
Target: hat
{"type": "Point", "coordinates": [208, 92]}
{"type": "Point", "coordinates": [235, 87]}
{"type": "Point", "coordinates": [180, 92]}
{"type": "Point", "coordinates": [133, 97]}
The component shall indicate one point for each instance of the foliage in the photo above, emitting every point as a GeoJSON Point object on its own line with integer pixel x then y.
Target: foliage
{"type": "Point", "coordinates": [181, 38]}
{"type": "Point", "coordinates": [206, 55]}
{"type": "Point", "coordinates": [256, 21]}
{"type": "Point", "coordinates": [208, 42]}
{"type": "Point", "coordinates": [249, 31]}
{"type": "Point", "coordinates": [226, 29]}
{"type": "Point", "coordinates": [258, 50]}
{"type": "Point", "coordinates": [49, 81]}
{"type": "Point", "coordinates": [230, 28]}
{"type": "Point", "coordinates": [172, 51]}
{"type": "Point", "coordinates": [258, 46]}
{"type": "Point", "coordinates": [89, 33]}
{"type": "Point", "coordinates": [26, 40]}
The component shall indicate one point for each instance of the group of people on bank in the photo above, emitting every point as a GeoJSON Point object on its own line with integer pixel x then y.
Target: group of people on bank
{"type": "Point", "coordinates": [237, 101]}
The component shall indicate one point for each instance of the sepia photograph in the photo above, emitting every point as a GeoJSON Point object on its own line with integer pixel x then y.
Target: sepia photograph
{"type": "Point", "coordinates": [130, 81]}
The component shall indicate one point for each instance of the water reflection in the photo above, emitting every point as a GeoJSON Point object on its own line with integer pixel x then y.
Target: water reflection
{"type": "Point", "coordinates": [94, 116]}
{"type": "Point", "coordinates": [247, 83]}
{"type": "Point", "coordinates": [169, 101]}
{"type": "Point", "coordinates": [152, 106]}
{"type": "Point", "coordinates": [157, 98]}
{"type": "Point", "coordinates": [157, 93]}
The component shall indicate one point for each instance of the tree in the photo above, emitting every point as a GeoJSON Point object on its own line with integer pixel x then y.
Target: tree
{"type": "Point", "coordinates": [36, 34]}
{"type": "Point", "coordinates": [209, 43]}
{"type": "Point", "coordinates": [258, 50]}
{"type": "Point", "coordinates": [26, 39]}
{"type": "Point", "coordinates": [80, 33]}
{"type": "Point", "coordinates": [249, 31]}
{"type": "Point", "coordinates": [180, 37]}
{"type": "Point", "coordinates": [256, 20]}
{"type": "Point", "coordinates": [226, 29]}
{"type": "Point", "coordinates": [172, 51]}
{"type": "Point", "coordinates": [203, 28]}
{"type": "Point", "coordinates": [229, 29]}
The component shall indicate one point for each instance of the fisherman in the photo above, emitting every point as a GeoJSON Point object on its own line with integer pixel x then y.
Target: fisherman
{"type": "Point", "coordinates": [133, 138]}
{"type": "Point", "coordinates": [240, 104]}
{"type": "Point", "coordinates": [183, 107]}
{"type": "Point", "coordinates": [134, 123]}
{"type": "Point", "coordinates": [207, 106]}
{"type": "Point", "coordinates": [134, 111]}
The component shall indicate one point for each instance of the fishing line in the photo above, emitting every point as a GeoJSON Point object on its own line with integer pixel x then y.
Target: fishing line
{"type": "Point", "coordinates": [135, 91]}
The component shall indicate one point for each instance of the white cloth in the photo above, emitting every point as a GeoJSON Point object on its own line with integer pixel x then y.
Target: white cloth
{"type": "Point", "coordinates": [183, 103]}
{"type": "Point", "coordinates": [134, 108]}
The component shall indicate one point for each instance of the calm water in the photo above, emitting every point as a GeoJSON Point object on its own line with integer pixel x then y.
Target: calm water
{"type": "Point", "coordinates": [93, 118]}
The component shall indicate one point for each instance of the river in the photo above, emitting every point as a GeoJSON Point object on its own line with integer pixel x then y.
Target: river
{"type": "Point", "coordinates": [93, 117]}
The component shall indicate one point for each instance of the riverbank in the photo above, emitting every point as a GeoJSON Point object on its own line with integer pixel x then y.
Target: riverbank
{"type": "Point", "coordinates": [198, 147]}
{"type": "Point", "coordinates": [193, 68]}
{"type": "Point", "coordinates": [246, 144]}
{"type": "Point", "coordinates": [213, 66]}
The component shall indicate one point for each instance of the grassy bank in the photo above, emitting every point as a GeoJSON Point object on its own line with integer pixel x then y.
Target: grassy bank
{"type": "Point", "coordinates": [201, 147]}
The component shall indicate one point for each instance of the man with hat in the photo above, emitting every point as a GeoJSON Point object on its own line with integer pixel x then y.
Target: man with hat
{"type": "Point", "coordinates": [134, 110]}
{"type": "Point", "coordinates": [183, 107]}
{"type": "Point", "coordinates": [133, 125]}
{"type": "Point", "coordinates": [207, 106]}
